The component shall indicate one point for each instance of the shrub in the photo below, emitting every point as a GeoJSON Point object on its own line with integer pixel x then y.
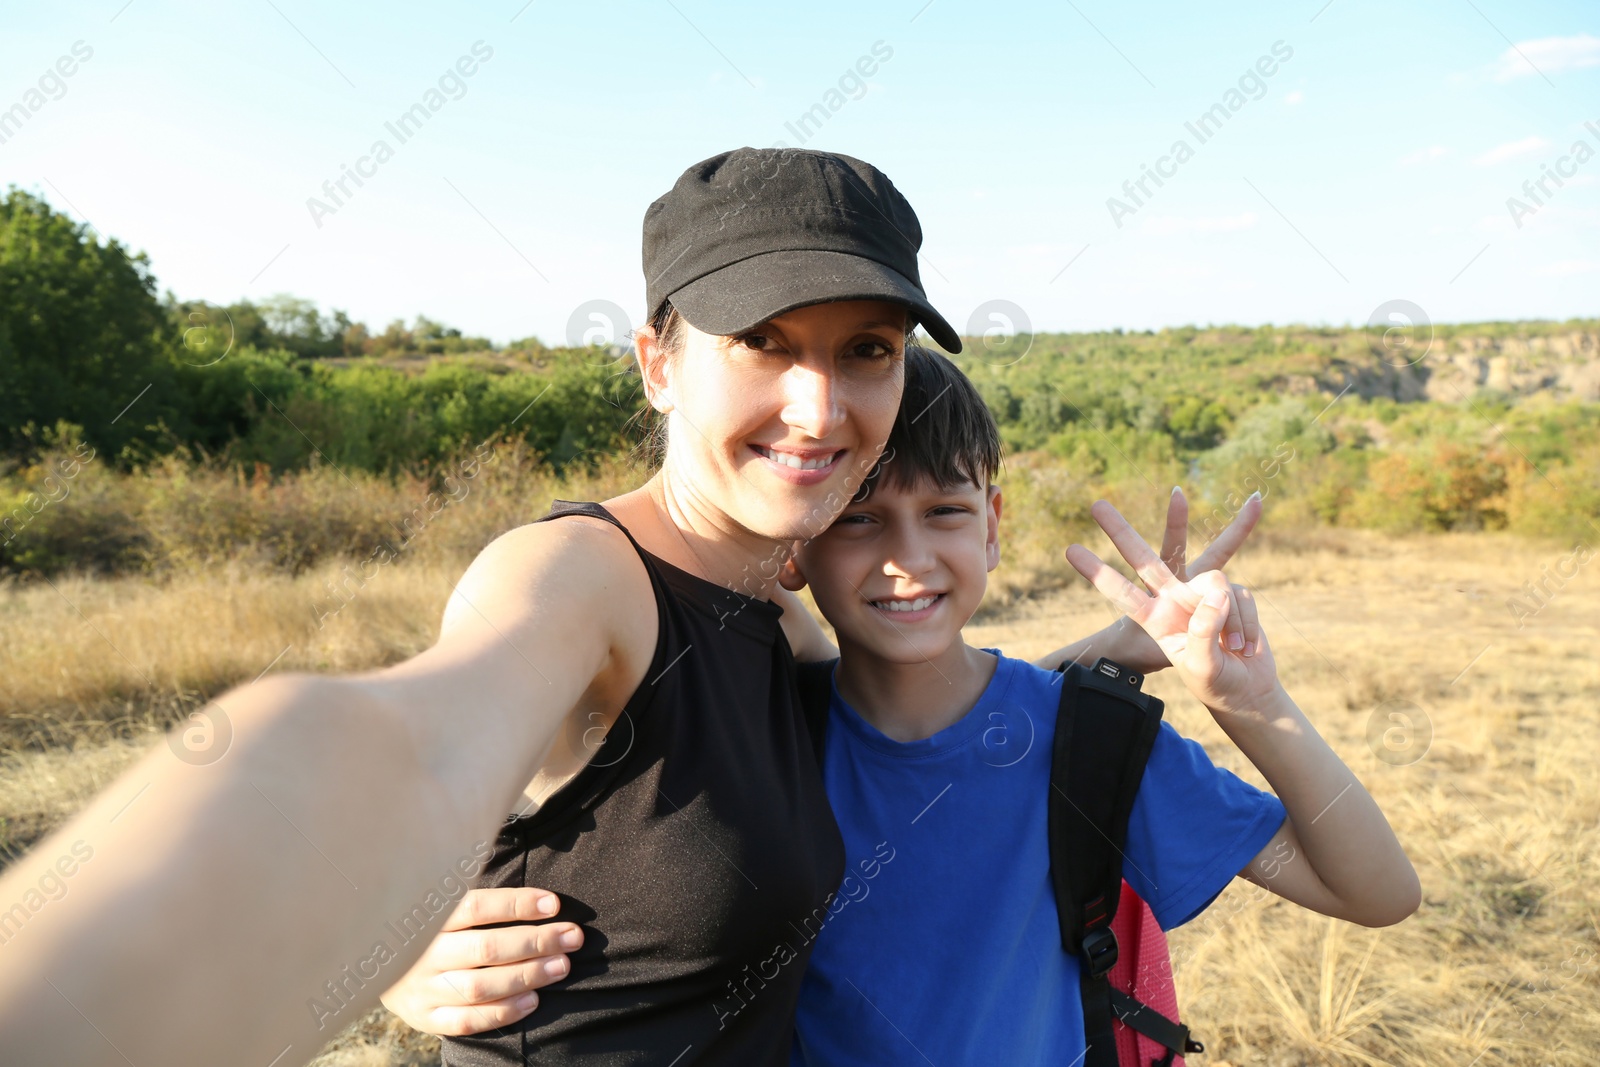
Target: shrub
{"type": "Point", "coordinates": [1560, 501]}
{"type": "Point", "coordinates": [1443, 485]}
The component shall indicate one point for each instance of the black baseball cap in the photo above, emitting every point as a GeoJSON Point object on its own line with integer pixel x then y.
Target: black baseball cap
{"type": "Point", "coordinates": [749, 234]}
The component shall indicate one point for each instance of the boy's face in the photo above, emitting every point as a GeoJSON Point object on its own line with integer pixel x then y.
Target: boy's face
{"type": "Point", "coordinates": [900, 574]}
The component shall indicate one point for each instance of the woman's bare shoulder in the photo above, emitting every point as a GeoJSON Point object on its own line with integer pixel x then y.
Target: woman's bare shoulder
{"type": "Point", "coordinates": [574, 580]}
{"type": "Point", "coordinates": [542, 628]}
{"type": "Point", "coordinates": [579, 557]}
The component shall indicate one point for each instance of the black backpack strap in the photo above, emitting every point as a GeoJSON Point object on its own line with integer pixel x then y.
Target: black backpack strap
{"type": "Point", "coordinates": [816, 690]}
{"type": "Point", "coordinates": [1172, 1036]}
{"type": "Point", "coordinates": [1105, 728]}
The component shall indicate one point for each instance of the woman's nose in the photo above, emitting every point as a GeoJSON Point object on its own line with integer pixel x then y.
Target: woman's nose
{"type": "Point", "coordinates": [811, 399]}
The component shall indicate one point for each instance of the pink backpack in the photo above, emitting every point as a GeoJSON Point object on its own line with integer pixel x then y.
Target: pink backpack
{"type": "Point", "coordinates": [1143, 971]}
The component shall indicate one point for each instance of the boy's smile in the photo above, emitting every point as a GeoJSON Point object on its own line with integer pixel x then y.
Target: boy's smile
{"type": "Point", "coordinates": [909, 608]}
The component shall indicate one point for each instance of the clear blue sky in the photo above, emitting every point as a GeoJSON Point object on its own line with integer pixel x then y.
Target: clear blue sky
{"type": "Point", "coordinates": [1375, 165]}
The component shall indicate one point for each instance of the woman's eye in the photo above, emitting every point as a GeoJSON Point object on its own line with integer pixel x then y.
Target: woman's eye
{"type": "Point", "coordinates": [756, 341]}
{"type": "Point", "coordinates": [873, 350]}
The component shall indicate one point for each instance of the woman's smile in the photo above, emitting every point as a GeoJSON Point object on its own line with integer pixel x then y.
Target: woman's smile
{"type": "Point", "coordinates": [800, 466]}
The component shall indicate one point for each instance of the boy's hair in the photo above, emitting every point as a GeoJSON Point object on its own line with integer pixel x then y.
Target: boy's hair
{"type": "Point", "coordinates": [944, 432]}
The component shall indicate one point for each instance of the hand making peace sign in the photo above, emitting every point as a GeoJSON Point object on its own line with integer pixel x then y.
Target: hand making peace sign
{"type": "Point", "coordinates": [1186, 618]}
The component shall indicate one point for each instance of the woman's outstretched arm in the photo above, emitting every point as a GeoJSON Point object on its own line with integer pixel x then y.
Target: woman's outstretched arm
{"type": "Point", "coordinates": [244, 910]}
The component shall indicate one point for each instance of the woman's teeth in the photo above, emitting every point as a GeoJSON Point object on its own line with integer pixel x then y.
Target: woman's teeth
{"type": "Point", "coordinates": [905, 605]}
{"type": "Point", "coordinates": [796, 462]}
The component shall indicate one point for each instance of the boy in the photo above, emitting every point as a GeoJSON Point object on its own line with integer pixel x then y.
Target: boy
{"type": "Point", "coordinates": [942, 945]}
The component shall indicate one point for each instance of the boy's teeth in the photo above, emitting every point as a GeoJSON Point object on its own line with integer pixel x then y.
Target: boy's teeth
{"type": "Point", "coordinates": [906, 605]}
{"type": "Point", "coordinates": [796, 462]}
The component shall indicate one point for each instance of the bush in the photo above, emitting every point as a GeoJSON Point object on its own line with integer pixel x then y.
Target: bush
{"type": "Point", "coordinates": [1443, 485]}
{"type": "Point", "coordinates": [68, 513]}
{"type": "Point", "coordinates": [1561, 501]}
{"type": "Point", "coordinates": [267, 407]}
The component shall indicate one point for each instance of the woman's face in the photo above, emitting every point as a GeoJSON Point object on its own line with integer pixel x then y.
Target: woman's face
{"type": "Point", "coordinates": [778, 427]}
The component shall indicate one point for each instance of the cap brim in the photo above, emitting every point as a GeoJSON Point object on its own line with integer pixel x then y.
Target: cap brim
{"type": "Point", "coordinates": [745, 294]}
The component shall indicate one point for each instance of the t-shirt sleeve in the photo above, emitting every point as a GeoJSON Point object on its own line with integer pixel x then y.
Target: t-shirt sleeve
{"type": "Point", "coordinates": [1194, 827]}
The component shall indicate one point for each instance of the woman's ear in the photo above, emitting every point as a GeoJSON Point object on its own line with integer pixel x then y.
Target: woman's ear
{"type": "Point", "coordinates": [654, 369]}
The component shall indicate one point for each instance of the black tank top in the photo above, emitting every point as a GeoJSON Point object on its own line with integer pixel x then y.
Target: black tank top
{"type": "Point", "coordinates": [696, 849]}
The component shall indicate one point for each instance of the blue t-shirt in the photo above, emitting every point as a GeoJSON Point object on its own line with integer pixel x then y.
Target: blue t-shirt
{"type": "Point", "coordinates": [942, 944]}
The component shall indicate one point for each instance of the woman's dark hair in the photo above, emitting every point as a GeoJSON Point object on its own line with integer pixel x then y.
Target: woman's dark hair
{"type": "Point", "coordinates": [944, 431]}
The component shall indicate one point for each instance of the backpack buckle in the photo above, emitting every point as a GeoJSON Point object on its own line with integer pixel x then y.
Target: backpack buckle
{"type": "Point", "coordinates": [1099, 951]}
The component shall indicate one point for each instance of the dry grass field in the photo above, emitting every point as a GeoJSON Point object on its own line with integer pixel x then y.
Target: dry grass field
{"type": "Point", "coordinates": [1491, 778]}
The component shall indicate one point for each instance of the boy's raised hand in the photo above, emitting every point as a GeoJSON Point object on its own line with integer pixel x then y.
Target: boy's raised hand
{"type": "Point", "coordinates": [1185, 618]}
{"type": "Point", "coordinates": [1130, 645]}
{"type": "Point", "coordinates": [1355, 868]}
{"type": "Point", "coordinates": [1175, 537]}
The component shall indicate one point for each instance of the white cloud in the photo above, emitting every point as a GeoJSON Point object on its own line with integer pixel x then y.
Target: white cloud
{"type": "Point", "coordinates": [1567, 266]}
{"type": "Point", "coordinates": [1424, 155]}
{"type": "Point", "coordinates": [1511, 150]}
{"type": "Point", "coordinates": [1168, 225]}
{"type": "Point", "coordinates": [1294, 98]}
{"type": "Point", "coordinates": [1549, 55]}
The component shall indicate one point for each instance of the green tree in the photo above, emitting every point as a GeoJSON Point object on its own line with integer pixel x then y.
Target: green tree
{"type": "Point", "coordinates": [281, 321]}
{"type": "Point", "coordinates": [82, 335]}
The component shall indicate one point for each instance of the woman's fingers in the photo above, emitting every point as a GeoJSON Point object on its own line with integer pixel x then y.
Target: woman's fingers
{"type": "Point", "coordinates": [1112, 585]}
{"type": "Point", "coordinates": [1140, 556]}
{"type": "Point", "coordinates": [1175, 538]}
{"type": "Point", "coordinates": [463, 949]}
{"type": "Point", "coordinates": [1220, 551]}
{"type": "Point", "coordinates": [517, 904]}
{"type": "Point", "coordinates": [459, 1021]}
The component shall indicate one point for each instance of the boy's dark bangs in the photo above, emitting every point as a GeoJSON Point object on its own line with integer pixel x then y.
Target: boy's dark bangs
{"type": "Point", "coordinates": [944, 432]}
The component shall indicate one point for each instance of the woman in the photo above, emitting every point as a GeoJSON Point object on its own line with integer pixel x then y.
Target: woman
{"type": "Point", "coordinates": [245, 910]}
